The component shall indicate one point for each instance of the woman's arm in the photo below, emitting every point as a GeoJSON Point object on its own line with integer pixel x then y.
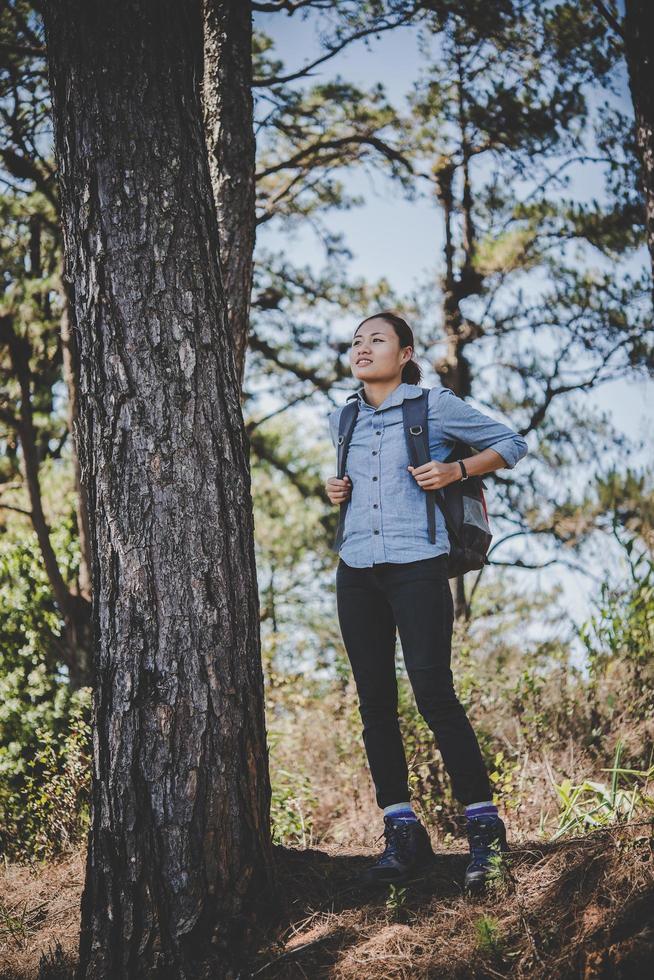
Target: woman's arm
{"type": "Point", "coordinates": [461, 422]}
{"type": "Point", "coordinates": [435, 475]}
{"type": "Point", "coordinates": [499, 445]}
{"type": "Point", "coordinates": [487, 461]}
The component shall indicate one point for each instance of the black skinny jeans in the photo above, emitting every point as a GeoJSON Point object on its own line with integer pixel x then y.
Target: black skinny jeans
{"type": "Point", "coordinates": [415, 598]}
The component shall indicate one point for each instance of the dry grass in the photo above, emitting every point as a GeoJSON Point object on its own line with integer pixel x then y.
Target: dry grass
{"type": "Point", "coordinates": [579, 908]}
{"type": "Point", "coordinates": [39, 916]}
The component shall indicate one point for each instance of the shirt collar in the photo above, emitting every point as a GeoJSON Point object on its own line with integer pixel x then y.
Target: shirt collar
{"type": "Point", "coordinates": [396, 397]}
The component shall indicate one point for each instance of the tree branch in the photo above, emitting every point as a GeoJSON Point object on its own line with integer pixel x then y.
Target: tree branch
{"type": "Point", "coordinates": [18, 510]}
{"type": "Point", "coordinates": [288, 7]}
{"type": "Point", "coordinates": [254, 423]}
{"type": "Point", "coordinates": [335, 49]}
{"type": "Point", "coordinates": [551, 393]}
{"type": "Point", "coordinates": [303, 373]}
{"type": "Point", "coordinates": [337, 144]}
{"type": "Point", "coordinates": [519, 563]}
{"type": "Point", "coordinates": [609, 18]}
{"type": "Point", "coordinates": [19, 351]}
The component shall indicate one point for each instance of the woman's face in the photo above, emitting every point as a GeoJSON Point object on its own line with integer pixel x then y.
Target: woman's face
{"type": "Point", "coordinates": [375, 352]}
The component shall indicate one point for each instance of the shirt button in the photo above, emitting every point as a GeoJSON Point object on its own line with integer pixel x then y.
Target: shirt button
{"type": "Point", "coordinates": [376, 532]}
{"type": "Point", "coordinates": [374, 477]}
{"type": "Point", "coordinates": [374, 452]}
{"type": "Point", "coordinates": [375, 505]}
{"type": "Point", "coordinates": [377, 432]}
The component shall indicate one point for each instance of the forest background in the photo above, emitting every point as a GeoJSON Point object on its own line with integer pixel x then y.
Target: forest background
{"type": "Point", "coordinates": [482, 178]}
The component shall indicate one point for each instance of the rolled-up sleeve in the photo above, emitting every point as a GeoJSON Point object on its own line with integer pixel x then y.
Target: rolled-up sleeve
{"type": "Point", "coordinates": [461, 421]}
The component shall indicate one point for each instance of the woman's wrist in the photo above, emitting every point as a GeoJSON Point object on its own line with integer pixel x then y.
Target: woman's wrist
{"type": "Point", "coordinates": [456, 473]}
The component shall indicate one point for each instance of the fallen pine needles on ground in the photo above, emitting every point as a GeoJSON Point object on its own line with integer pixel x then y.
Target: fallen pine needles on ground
{"type": "Point", "coordinates": [578, 907]}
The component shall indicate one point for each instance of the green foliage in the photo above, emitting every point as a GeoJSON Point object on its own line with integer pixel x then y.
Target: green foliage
{"type": "Point", "coordinates": [502, 774]}
{"type": "Point", "coordinates": [291, 807]}
{"type": "Point", "coordinates": [396, 903]}
{"type": "Point", "coordinates": [490, 939]}
{"type": "Point", "coordinates": [51, 812]}
{"type": "Point", "coordinates": [32, 695]}
{"type": "Point", "coordinates": [43, 726]}
{"type": "Point", "coordinates": [499, 878]}
{"type": "Point", "coordinates": [622, 629]}
{"type": "Point", "coordinates": [591, 804]}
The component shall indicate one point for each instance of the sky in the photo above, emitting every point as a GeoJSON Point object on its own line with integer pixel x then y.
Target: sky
{"type": "Point", "coordinates": [402, 240]}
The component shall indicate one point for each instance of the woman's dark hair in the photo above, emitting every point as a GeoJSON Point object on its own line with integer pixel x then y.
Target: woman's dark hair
{"type": "Point", "coordinates": [411, 372]}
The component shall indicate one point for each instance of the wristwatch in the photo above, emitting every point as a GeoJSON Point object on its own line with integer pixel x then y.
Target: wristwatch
{"type": "Point", "coordinates": [464, 472]}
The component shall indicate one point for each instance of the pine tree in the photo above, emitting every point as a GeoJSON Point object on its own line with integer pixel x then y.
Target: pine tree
{"type": "Point", "coordinates": [179, 850]}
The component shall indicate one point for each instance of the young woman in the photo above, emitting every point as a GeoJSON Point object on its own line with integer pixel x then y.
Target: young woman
{"type": "Point", "coordinates": [391, 576]}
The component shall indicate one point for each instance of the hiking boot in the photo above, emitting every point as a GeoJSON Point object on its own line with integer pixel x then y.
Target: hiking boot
{"type": "Point", "coordinates": [408, 849]}
{"type": "Point", "coordinates": [487, 839]}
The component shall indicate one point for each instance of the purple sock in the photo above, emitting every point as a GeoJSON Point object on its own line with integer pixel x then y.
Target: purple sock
{"type": "Point", "coordinates": [400, 811]}
{"type": "Point", "coordinates": [487, 809]}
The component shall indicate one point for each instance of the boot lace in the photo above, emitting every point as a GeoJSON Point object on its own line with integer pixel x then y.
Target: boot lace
{"type": "Point", "coordinates": [484, 843]}
{"type": "Point", "coordinates": [398, 837]}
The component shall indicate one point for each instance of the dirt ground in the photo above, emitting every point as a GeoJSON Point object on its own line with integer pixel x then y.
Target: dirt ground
{"type": "Point", "coordinates": [578, 908]}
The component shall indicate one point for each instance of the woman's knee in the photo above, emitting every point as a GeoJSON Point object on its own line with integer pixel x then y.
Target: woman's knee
{"type": "Point", "coordinates": [441, 705]}
{"type": "Point", "coordinates": [377, 714]}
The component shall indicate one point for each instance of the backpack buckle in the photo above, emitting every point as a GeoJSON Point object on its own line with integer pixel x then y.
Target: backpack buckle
{"type": "Point", "coordinates": [415, 430]}
{"type": "Point", "coordinates": [341, 440]}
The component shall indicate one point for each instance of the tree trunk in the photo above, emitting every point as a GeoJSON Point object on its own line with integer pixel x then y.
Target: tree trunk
{"type": "Point", "coordinates": [639, 41]}
{"type": "Point", "coordinates": [453, 367]}
{"type": "Point", "coordinates": [227, 99]}
{"type": "Point", "coordinates": [179, 847]}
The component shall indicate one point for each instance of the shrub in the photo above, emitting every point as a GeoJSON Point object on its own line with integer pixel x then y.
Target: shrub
{"type": "Point", "coordinates": [44, 728]}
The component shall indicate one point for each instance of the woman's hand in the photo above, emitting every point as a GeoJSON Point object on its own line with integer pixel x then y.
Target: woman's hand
{"type": "Point", "coordinates": [434, 475]}
{"type": "Point", "coordinates": [338, 490]}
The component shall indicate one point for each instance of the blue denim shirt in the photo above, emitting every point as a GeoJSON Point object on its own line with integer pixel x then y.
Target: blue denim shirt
{"type": "Point", "coordinates": [386, 520]}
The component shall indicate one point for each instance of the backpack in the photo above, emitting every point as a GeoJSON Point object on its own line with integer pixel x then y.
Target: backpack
{"type": "Point", "coordinates": [462, 504]}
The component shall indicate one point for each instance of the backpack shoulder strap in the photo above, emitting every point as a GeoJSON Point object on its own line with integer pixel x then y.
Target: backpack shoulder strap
{"type": "Point", "coordinates": [416, 431]}
{"type": "Point", "coordinates": [415, 412]}
{"type": "Point", "coordinates": [346, 422]}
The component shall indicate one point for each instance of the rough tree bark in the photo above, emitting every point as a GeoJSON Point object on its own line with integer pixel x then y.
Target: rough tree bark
{"type": "Point", "coordinates": [638, 32]}
{"type": "Point", "coordinates": [227, 101]}
{"type": "Point", "coordinates": [179, 848]}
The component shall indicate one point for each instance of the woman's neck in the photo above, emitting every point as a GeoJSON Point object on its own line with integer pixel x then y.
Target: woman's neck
{"type": "Point", "coordinates": [375, 393]}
